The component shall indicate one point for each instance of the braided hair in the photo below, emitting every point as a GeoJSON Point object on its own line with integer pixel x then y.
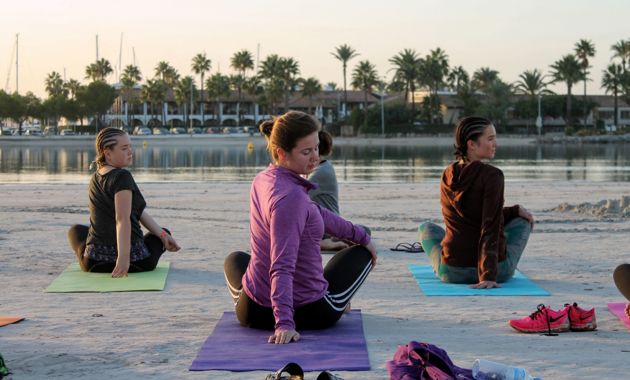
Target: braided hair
{"type": "Point", "coordinates": [107, 138]}
{"type": "Point", "coordinates": [468, 128]}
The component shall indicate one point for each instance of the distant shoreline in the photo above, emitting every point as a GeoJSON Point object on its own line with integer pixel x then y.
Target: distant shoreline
{"type": "Point", "coordinates": [256, 140]}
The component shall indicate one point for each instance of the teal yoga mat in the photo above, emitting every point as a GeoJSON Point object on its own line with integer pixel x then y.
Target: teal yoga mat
{"type": "Point", "coordinates": [73, 280]}
{"type": "Point", "coordinates": [430, 285]}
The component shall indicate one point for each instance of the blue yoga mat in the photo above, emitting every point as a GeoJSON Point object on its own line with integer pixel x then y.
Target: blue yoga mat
{"type": "Point", "coordinates": [232, 347]}
{"type": "Point", "coordinates": [519, 285]}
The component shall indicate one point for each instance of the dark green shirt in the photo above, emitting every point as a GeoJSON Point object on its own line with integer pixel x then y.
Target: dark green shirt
{"type": "Point", "coordinates": [102, 211]}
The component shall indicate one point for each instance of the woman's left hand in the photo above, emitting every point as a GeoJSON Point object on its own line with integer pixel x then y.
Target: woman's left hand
{"type": "Point", "coordinates": [523, 213]}
{"type": "Point", "coordinates": [485, 285]}
{"type": "Point", "coordinates": [284, 336]}
{"type": "Point", "coordinates": [370, 247]}
{"type": "Point", "coordinates": [170, 244]}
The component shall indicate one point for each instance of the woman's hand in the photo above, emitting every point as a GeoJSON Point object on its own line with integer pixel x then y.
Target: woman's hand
{"type": "Point", "coordinates": [370, 247]}
{"type": "Point", "coordinates": [485, 285]}
{"type": "Point", "coordinates": [169, 243]}
{"type": "Point", "coordinates": [284, 336]}
{"type": "Point", "coordinates": [122, 267]}
{"type": "Point", "coordinates": [332, 245]}
{"type": "Point", "coordinates": [523, 213]}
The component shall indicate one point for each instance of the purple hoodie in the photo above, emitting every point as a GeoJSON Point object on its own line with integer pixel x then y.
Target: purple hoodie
{"type": "Point", "coordinates": [285, 270]}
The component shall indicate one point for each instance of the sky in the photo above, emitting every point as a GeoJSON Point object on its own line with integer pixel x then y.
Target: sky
{"type": "Point", "coordinates": [508, 36]}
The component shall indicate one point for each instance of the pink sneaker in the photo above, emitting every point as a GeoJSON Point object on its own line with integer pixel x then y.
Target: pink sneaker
{"type": "Point", "coordinates": [580, 319]}
{"type": "Point", "coordinates": [543, 320]}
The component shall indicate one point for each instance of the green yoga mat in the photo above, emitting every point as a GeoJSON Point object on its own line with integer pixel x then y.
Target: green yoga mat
{"type": "Point", "coordinates": [73, 280]}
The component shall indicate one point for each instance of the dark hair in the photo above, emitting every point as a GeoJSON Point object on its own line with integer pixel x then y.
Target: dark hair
{"type": "Point", "coordinates": [106, 139]}
{"type": "Point", "coordinates": [468, 128]}
{"type": "Point", "coordinates": [325, 143]}
{"type": "Point", "coordinates": [284, 131]}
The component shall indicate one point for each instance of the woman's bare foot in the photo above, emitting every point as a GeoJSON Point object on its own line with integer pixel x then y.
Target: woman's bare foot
{"type": "Point", "coordinates": [347, 309]}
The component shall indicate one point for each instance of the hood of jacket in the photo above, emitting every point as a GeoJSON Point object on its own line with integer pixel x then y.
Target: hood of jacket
{"type": "Point", "coordinates": [457, 179]}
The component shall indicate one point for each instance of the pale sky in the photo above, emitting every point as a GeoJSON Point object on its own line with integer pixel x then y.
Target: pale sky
{"type": "Point", "coordinates": [509, 36]}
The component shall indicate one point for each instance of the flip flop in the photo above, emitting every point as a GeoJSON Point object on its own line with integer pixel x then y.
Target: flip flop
{"type": "Point", "coordinates": [408, 247]}
{"type": "Point", "coordinates": [328, 376]}
{"type": "Point", "coordinates": [291, 371]}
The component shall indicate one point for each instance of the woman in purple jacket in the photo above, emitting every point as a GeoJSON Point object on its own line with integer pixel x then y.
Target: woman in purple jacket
{"type": "Point", "coordinates": [282, 285]}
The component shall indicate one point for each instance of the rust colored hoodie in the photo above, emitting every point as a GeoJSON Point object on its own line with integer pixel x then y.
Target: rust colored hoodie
{"type": "Point", "coordinates": [471, 196]}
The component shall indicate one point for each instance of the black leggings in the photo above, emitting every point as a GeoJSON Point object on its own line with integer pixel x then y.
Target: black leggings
{"type": "Point", "coordinates": [345, 273]}
{"type": "Point", "coordinates": [77, 236]}
{"type": "Point", "coordinates": [622, 279]}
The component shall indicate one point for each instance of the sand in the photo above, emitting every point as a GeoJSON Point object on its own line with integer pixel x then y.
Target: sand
{"type": "Point", "coordinates": [157, 334]}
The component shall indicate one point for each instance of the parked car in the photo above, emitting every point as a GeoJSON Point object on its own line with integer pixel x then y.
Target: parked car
{"type": "Point", "coordinates": [213, 130]}
{"type": "Point", "coordinates": [160, 131]}
{"type": "Point", "coordinates": [6, 132]}
{"type": "Point", "coordinates": [33, 132]}
{"type": "Point", "coordinates": [67, 132]}
{"type": "Point", "coordinates": [142, 131]}
{"type": "Point", "coordinates": [178, 131]}
{"type": "Point", "coordinates": [195, 131]}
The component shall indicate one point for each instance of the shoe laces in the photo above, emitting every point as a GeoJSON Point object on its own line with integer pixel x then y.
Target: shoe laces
{"type": "Point", "coordinates": [540, 310]}
{"type": "Point", "coordinates": [543, 311]}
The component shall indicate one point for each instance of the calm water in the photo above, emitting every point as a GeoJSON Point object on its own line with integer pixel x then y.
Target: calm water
{"type": "Point", "coordinates": [605, 162]}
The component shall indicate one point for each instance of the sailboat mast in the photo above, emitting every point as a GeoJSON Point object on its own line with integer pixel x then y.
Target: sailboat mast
{"type": "Point", "coordinates": [17, 87]}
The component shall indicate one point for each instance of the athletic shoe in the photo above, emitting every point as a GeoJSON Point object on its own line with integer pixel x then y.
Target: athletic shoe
{"type": "Point", "coordinates": [543, 320]}
{"type": "Point", "coordinates": [580, 319]}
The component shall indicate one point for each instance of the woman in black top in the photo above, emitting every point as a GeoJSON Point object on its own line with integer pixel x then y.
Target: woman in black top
{"type": "Point", "coordinates": [113, 242]}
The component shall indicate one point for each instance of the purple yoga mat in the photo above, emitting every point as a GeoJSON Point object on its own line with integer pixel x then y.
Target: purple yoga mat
{"type": "Point", "coordinates": [232, 347]}
{"type": "Point", "coordinates": [619, 310]}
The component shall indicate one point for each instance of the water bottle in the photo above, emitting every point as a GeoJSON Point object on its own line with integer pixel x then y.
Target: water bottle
{"type": "Point", "coordinates": [487, 370]}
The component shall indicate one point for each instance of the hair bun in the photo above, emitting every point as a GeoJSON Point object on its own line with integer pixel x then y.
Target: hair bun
{"type": "Point", "coordinates": [266, 127]}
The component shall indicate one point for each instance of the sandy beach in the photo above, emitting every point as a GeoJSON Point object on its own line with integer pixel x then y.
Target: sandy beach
{"type": "Point", "coordinates": [571, 253]}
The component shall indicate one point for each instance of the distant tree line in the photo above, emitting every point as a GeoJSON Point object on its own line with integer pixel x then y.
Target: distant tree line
{"type": "Point", "coordinates": [278, 78]}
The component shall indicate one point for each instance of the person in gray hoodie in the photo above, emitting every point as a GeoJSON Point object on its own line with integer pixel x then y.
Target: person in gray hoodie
{"type": "Point", "coordinates": [483, 241]}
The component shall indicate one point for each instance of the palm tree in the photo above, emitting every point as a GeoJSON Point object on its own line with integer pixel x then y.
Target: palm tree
{"type": "Point", "coordinates": [408, 65]}
{"type": "Point", "coordinates": [344, 53]}
{"type": "Point", "coordinates": [54, 84]}
{"type": "Point", "coordinates": [98, 70]}
{"type": "Point", "coordinates": [241, 61]}
{"type": "Point", "coordinates": [622, 50]}
{"type": "Point", "coordinates": [532, 82]}
{"type": "Point", "coordinates": [433, 71]}
{"type": "Point", "coordinates": [183, 94]}
{"type": "Point", "coordinates": [484, 78]}
{"type": "Point", "coordinates": [271, 74]}
{"type": "Point", "coordinates": [332, 86]}
{"type": "Point", "coordinates": [569, 71]}
{"type": "Point", "coordinates": [154, 92]}
{"type": "Point", "coordinates": [72, 86]}
{"type": "Point", "coordinates": [310, 88]}
{"type": "Point", "coordinates": [218, 86]}
{"type": "Point", "coordinates": [584, 49]}
{"type": "Point", "coordinates": [290, 71]}
{"type": "Point", "coordinates": [364, 78]}
{"type": "Point", "coordinates": [130, 77]}
{"type": "Point", "coordinates": [457, 78]}
{"type": "Point", "coordinates": [201, 65]}
{"type": "Point", "coordinates": [612, 81]}
{"type": "Point", "coordinates": [169, 78]}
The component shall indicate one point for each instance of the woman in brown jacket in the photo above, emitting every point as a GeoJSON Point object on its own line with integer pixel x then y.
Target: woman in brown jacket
{"type": "Point", "coordinates": [483, 241]}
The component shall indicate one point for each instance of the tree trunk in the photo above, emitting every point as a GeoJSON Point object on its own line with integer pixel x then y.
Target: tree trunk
{"type": "Point", "coordinates": [568, 121]}
{"type": "Point", "coordinates": [585, 106]}
{"type": "Point", "coordinates": [365, 106]}
{"type": "Point", "coordinates": [345, 93]}
{"type": "Point", "coordinates": [616, 108]}
{"type": "Point", "coordinates": [203, 121]}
